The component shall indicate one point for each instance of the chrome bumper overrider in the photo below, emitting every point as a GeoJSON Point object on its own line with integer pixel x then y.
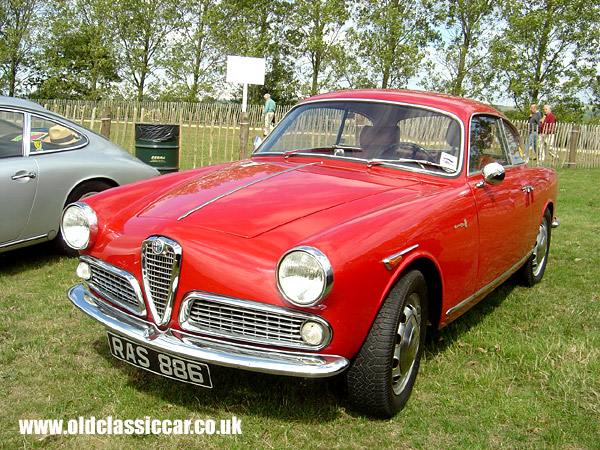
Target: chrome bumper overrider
{"type": "Point", "coordinates": [202, 349]}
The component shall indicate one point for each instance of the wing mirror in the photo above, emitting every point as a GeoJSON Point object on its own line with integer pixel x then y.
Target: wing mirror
{"type": "Point", "coordinates": [493, 173]}
{"type": "Point", "coordinates": [257, 142]}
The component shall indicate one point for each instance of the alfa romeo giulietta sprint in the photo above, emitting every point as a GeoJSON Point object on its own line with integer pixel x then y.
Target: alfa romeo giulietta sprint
{"type": "Point", "coordinates": [362, 219]}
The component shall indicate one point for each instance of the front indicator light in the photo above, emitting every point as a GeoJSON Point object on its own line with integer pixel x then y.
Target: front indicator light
{"type": "Point", "coordinates": [84, 271]}
{"type": "Point", "coordinates": [312, 333]}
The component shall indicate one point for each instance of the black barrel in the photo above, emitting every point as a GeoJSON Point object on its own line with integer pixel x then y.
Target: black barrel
{"type": "Point", "coordinates": [158, 146]}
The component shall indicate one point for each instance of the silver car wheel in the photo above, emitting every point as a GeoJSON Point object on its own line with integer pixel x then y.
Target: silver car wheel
{"type": "Point", "coordinates": [408, 338]}
{"type": "Point", "coordinates": [540, 251]}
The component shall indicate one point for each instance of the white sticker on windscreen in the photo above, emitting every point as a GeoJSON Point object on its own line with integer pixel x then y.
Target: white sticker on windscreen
{"type": "Point", "coordinates": [448, 161]}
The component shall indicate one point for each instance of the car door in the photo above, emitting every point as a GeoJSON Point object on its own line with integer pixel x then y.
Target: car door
{"type": "Point", "coordinates": [502, 210]}
{"type": "Point", "coordinates": [18, 176]}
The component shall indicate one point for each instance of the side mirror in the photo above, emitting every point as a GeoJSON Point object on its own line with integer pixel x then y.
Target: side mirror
{"type": "Point", "coordinates": [257, 142]}
{"type": "Point", "coordinates": [493, 173]}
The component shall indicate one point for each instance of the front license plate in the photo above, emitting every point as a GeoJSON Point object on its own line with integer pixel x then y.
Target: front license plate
{"type": "Point", "coordinates": [159, 363]}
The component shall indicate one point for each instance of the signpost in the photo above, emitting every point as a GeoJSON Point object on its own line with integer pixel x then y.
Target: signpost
{"type": "Point", "coordinates": [245, 70]}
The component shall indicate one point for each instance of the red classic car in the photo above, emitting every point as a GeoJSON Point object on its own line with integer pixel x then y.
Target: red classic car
{"type": "Point", "coordinates": [364, 217]}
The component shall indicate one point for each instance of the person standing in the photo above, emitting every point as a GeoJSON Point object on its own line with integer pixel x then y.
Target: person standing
{"type": "Point", "coordinates": [535, 118]}
{"type": "Point", "coordinates": [547, 129]}
{"type": "Point", "coordinates": [269, 114]}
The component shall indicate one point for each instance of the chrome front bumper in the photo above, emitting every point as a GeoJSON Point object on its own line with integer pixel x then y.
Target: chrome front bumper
{"type": "Point", "coordinates": [205, 350]}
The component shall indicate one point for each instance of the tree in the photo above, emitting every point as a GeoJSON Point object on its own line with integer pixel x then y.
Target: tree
{"type": "Point", "coordinates": [463, 52]}
{"type": "Point", "coordinates": [256, 29]}
{"type": "Point", "coordinates": [194, 63]}
{"type": "Point", "coordinates": [144, 28]}
{"type": "Point", "coordinates": [545, 48]}
{"type": "Point", "coordinates": [79, 58]}
{"type": "Point", "coordinates": [18, 22]}
{"type": "Point", "coordinates": [389, 39]}
{"type": "Point", "coordinates": [316, 34]}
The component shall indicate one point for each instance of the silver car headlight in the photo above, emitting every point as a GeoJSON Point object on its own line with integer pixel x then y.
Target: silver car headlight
{"type": "Point", "coordinates": [79, 226]}
{"type": "Point", "coordinates": [304, 276]}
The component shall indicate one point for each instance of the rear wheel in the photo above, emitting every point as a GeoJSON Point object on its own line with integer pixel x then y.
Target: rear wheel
{"type": "Point", "coordinates": [80, 192]}
{"type": "Point", "coordinates": [383, 373]}
{"type": "Point", "coordinates": [533, 270]}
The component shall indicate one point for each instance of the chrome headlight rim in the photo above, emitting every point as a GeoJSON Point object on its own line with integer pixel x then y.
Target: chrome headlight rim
{"type": "Point", "coordinates": [91, 221]}
{"type": "Point", "coordinates": [324, 265]}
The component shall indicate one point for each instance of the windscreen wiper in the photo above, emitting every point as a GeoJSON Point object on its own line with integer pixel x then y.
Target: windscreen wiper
{"type": "Point", "coordinates": [333, 148]}
{"type": "Point", "coordinates": [420, 162]}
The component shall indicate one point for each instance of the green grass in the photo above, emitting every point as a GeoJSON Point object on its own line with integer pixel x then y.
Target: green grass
{"type": "Point", "coordinates": [521, 370]}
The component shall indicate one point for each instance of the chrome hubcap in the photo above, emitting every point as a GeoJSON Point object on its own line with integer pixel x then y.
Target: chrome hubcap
{"type": "Point", "coordinates": [540, 251]}
{"type": "Point", "coordinates": [408, 339]}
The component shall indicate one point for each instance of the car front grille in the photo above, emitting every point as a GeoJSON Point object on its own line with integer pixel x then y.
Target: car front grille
{"type": "Point", "coordinates": [161, 261]}
{"type": "Point", "coordinates": [246, 321]}
{"type": "Point", "coordinates": [116, 285]}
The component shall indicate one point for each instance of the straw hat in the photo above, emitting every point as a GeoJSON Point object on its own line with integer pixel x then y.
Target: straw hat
{"type": "Point", "coordinates": [60, 135]}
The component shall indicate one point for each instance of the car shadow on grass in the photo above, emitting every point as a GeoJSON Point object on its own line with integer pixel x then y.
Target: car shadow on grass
{"type": "Point", "coordinates": [241, 392]}
{"type": "Point", "coordinates": [28, 258]}
{"type": "Point", "coordinates": [280, 397]}
{"type": "Point", "coordinates": [438, 341]}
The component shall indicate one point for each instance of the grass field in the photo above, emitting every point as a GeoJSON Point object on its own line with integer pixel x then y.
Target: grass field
{"type": "Point", "coordinates": [521, 370]}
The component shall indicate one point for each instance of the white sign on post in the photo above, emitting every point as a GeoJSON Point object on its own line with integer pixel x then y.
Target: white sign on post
{"type": "Point", "coordinates": [245, 70]}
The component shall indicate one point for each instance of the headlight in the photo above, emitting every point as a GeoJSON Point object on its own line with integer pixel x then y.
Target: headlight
{"type": "Point", "coordinates": [304, 276]}
{"type": "Point", "coordinates": [79, 226]}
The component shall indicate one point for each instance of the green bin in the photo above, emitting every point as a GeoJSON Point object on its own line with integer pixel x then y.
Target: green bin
{"type": "Point", "coordinates": [158, 146]}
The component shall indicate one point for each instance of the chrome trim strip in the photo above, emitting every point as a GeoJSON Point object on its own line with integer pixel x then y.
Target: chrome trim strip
{"type": "Point", "coordinates": [183, 216]}
{"type": "Point", "coordinates": [258, 308]}
{"type": "Point", "coordinates": [501, 279]}
{"type": "Point", "coordinates": [26, 146]}
{"type": "Point", "coordinates": [389, 259]}
{"type": "Point", "coordinates": [212, 351]}
{"type": "Point", "coordinates": [22, 241]}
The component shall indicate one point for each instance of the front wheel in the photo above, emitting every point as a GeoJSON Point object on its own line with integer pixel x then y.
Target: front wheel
{"type": "Point", "coordinates": [533, 270]}
{"type": "Point", "coordinates": [383, 373]}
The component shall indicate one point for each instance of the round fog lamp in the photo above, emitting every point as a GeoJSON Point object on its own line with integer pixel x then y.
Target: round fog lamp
{"type": "Point", "coordinates": [312, 333]}
{"type": "Point", "coordinates": [84, 271]}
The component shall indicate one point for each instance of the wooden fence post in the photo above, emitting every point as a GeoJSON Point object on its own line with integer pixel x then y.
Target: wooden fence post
{"type": "Point", "coordinates": [244, 128]}
{"type": "Point", "coordinates": [574, 138]}
{"type": "Point", "coordinates": [106, 122]}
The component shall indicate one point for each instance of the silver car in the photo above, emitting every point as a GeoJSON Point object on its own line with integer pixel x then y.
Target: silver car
{"type": "Point", "coordinates": [47, 162]}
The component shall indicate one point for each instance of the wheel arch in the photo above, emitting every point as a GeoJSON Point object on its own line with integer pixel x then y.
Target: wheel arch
{"type": "Point", "coordinates": [434, 286]}
{"type": "Point", "coordinates": [108, 181]}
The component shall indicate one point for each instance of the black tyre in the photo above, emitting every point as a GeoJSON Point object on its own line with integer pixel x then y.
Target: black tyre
{"type": "Point", "coordinates": [383, 373]}
{"type": "Point", "coordinates": [82, 191]}
{"type": "Point", "coordinates": [533, 270]}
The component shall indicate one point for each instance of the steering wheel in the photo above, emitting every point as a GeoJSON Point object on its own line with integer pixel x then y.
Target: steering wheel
{"type": "Point", "coordinates": [400, 149]}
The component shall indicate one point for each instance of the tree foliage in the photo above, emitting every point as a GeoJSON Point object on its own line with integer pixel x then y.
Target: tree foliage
{"type": "Point", "coordinates": [543, 51]}
{"type": "Point", "coordinates": [390, 38]}
{"type": "Point", "coordinates": [18, 20]}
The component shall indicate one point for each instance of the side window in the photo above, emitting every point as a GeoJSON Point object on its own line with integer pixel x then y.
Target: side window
{"type": "Point", "coordinates": [48, 135]}
{"type": "Point", "coordinates": [11, 134]}
{"type": "Point", "coordinates": [485, 143]}
{"type": "Point", "coordinates": [517, 154]}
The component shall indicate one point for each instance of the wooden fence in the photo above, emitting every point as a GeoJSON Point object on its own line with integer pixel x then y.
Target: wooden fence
{"type": "Point", "coordinates": [210, 133]}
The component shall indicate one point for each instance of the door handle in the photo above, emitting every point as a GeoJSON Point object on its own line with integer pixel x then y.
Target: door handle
{"type": "Point", "coordinates": [30, 175]}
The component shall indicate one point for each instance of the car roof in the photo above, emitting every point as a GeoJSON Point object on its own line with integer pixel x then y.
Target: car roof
{"type": "Point", "coordinates": [458, 105]}
{"type": "Point", "coordinates": [21, 103]}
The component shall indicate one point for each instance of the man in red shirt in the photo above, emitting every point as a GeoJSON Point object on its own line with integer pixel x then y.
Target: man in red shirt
{"type": "Point", "coordinates": [547, 129]}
